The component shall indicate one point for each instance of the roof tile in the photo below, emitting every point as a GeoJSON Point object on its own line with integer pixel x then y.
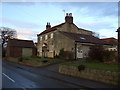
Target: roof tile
{"type": "Point", "coordinates": [21, 43]}
{"type": "Point", "coordinates": [84, 38]}
{"type": "Point", "coordinates": [51, 29]}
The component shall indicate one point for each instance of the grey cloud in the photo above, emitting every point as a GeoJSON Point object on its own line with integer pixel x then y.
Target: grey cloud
{"type": "Point", "coordinates": [19, 24]}
{"type": "Point", "coordinates": [20, 3]}
{"type": "Point", "coordinates": [94, 8]}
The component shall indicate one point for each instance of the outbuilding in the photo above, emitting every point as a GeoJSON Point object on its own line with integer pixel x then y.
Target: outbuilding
{"type": "Point", "coordinates": [18, 48]}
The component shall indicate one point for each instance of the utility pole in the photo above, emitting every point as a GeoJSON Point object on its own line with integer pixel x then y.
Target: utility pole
{"type": "Point", "coordinates": [118, 47]}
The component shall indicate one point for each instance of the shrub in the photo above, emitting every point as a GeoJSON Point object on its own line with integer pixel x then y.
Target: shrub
{"type": "Point", "coordinates": [61, 53]}
{"type": "Point", "coordinates": [110, 56]}
{"type": "Point", "coordinates": [81, 67]}
{"type": "Point", "coordinates": [44, 61]}
{"type": "Point", "coordinates": [69, 55]}
{"type": "Point", "coordinates": [20, 59]}
{"type": "Point", "coordinates": [97, 52]}
{"type": "Point", "coordinates": [57, 56]}
{"type": "Point", "coordinates": [66, 54]}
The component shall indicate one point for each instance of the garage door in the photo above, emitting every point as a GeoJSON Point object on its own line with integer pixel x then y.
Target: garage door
{"type": "Point", "coordinates": [26, 52]}
{"type": "Point", "coordinates": [79, 52]}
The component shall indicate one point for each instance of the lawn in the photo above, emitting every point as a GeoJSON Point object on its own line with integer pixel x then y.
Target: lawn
{"type": "Point", "coordinates": [97, 65]}
{"type": "Point", "coordinates": [33, 61]}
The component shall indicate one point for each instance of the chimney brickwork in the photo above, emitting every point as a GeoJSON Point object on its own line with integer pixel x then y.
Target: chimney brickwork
{"type": "Point", "coordinates": [48, 25]}
{"type": "Point", "coordinates": [69, 18]}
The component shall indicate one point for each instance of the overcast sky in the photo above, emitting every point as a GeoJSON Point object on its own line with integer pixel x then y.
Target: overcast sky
{"type": "Point", "coordinates": [30, 18]}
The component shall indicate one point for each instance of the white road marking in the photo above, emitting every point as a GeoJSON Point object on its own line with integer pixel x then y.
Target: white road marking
{"type": "Point", "coordinates": [8, 77]}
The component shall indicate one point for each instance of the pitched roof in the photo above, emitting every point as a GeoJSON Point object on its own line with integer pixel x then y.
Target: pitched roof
{"type": "Point", "coordinates": [84, 38]}
{"type": "Point", "coordinates": [111, 40]}
{"type": "Point", "coordinates": [51, 29]}
{"type": "Point", "coordinates": [21, 43]}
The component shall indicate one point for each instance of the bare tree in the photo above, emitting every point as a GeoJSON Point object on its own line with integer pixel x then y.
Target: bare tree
{"type": "Point", "coordinates": [7, 33]}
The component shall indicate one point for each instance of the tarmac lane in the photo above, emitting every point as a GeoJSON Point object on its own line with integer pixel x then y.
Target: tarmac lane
{"type": "Point", "coordinates": [21, 76]}
{"type": "Point", "coordinates": [15, 77]}
{"type": "Point", "coordinates": [12, 79]}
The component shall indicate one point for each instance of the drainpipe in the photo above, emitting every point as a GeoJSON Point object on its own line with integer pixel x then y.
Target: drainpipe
{"type": "Point", "coordinates": [75, 50]}
{"type": "Point", "coordinates": [118, 47]}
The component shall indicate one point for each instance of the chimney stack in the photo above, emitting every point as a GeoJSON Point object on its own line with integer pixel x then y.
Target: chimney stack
{"type": "Point", "coordinates": [48, 25]}
{"type": "Point", "coordinates": [69, 18]}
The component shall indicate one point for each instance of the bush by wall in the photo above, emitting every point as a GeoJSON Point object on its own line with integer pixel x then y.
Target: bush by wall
{"type": "Point", "coordinates": [66, 54]}
{"type": "Point", "coordinates": [98, 52]}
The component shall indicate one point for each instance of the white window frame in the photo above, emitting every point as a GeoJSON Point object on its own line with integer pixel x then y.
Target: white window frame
{"type": "Point", "coordinates": [38, 39]}
{"type": "Point", "coordinates": [41, 38]}
{"type": "Point", "coordinates": [51, 35]}
{"type": "Point", "coordinates": [46, 37]}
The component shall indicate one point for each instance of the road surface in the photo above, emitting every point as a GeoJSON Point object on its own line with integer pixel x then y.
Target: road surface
{"type": "Point", "coordinates": [20, 76]}
{"type": "Point", "coordinates": [16, 77]}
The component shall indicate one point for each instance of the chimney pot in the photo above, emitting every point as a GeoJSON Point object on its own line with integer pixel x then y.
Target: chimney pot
{"type": "Point", "coordinates": [66, 14]}
{"type": "Point", "coordinates": [48, 25]}
{"type": "Point", "coordinates": [70, 14]}
{"type": "Point", "coordinates": [69, 18]}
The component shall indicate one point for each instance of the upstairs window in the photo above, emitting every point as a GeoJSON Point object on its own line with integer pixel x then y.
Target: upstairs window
{"type": "Point", "coordinates": [46, 37]}
{"type": "Point", "coordinates": [51, 35]}
{"type": "Point", "coordinates": [40, 38]}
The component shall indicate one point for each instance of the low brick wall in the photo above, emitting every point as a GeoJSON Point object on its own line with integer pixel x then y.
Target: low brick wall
{"type": "Point", "coordinates": [92, 74]}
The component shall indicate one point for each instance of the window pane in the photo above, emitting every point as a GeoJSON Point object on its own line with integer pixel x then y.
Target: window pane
{"type": "Point", "coordinates": [51, 35]}
{"type": "Point", "coordinates": [40, 38]}
{"type": "Point", "coordinates": [46, 37]}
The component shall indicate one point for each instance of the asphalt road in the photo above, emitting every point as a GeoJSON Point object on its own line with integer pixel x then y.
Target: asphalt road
{"type": "Point", "coordinates": [15, 77]}
{"type": "Point", "coordinates": [24, 77]}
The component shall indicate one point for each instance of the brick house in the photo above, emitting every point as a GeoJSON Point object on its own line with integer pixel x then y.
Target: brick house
{"type": "Point", "coordinates": [17, 48]}
{"type": "Point", "coordinates": [67, 36]}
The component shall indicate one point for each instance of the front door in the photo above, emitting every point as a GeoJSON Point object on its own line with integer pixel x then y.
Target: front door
{"type": "Point", "coordinates": [44, 51]}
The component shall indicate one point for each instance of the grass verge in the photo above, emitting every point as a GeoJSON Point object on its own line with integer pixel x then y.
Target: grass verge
{"type": "Point", "coordinates": [97, 65]}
